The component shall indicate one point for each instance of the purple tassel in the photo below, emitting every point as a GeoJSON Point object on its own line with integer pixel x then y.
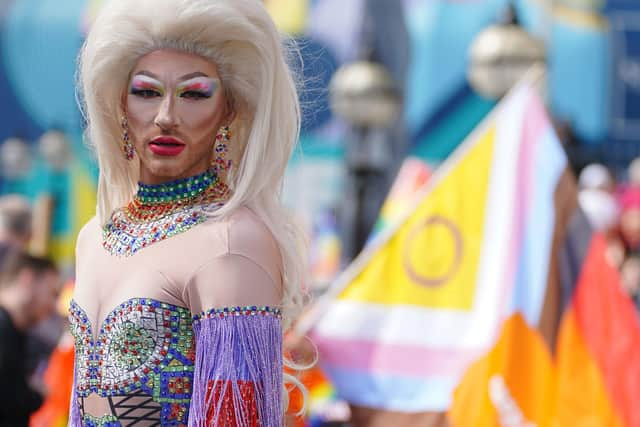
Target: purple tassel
{"type": "Point", "coordinates": [75, 420]}
{"type": "Point", "coordinates": [238, 372]}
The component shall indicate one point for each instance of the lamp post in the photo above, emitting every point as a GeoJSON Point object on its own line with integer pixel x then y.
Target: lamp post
{"type": "Point", "coordinates": [500, 56]}
{"type": "Point", "coordinates": [365, 95]}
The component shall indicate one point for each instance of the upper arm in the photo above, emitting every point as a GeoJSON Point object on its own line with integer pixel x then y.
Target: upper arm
{"type": "Point", "coordinates": [238, 359]}
{"type": "Point", "coordinates": [229, 281]}
{"type": "Point", "coordinates": [249, 273]}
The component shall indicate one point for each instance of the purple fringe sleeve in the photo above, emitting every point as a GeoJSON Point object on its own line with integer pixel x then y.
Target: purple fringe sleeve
{"type": "Point", "coordinates": [238, 369]}
{"type": "Point", "coordinates": [75, 420]}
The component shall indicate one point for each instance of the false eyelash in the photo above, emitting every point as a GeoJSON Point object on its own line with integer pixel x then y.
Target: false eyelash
{"type": "Point", "coordinates": [145, 93]}
{"type": "Point", "coordinates": [194, 95]}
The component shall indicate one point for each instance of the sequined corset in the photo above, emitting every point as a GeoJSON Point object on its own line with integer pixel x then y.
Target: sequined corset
{"type": "Point", "coordinates": [144, 349]}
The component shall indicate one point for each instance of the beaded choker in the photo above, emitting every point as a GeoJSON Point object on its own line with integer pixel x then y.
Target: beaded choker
{"type": "Point", "coordinates": [158, 212]}
{"type": "Point", "coordinates": [155, 201]}
{"type": "Point", "coordinates": [182, 189]}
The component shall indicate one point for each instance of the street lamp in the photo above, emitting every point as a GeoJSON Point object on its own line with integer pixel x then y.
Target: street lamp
{"type": "Point", "coordinates": [501, 55]}
{"type": "Point", "coordinates": [365, 95]}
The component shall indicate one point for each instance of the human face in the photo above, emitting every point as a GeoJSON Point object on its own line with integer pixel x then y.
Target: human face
{"type": "Point", "coordinates": [175, 107]}
{"type": "Point", "coordinates": [44, 290]}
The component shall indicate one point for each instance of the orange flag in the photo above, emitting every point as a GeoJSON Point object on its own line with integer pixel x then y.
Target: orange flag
{"type": "Point", "coordinates": [511, 386]}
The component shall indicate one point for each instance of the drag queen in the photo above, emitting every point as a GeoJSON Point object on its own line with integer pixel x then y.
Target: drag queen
{"type": "Point", "coordinates": [191, 270]}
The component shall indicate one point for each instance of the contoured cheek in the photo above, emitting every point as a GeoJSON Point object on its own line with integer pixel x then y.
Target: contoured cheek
{"type": "Point", "coordinates": [144, 100]}
{"type": "Point", "coordinates": [198, 102]}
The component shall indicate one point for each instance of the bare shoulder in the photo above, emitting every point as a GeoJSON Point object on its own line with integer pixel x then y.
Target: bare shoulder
{"type": "Point", "coordinates": [250, 238]}
{"type": "Point", "coordinates": [89, 233]}
{"type": "Point", "coordinates": [249, 234]}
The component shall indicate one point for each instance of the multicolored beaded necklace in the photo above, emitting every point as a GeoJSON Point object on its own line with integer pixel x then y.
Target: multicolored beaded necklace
{"type": "Point", "coordinates": [160, 211]}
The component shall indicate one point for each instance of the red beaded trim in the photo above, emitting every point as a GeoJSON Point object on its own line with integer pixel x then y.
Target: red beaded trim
{"type": "Point", "coordinates": [226, 402]}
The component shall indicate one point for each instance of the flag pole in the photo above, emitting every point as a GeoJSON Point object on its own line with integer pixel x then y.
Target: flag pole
{"type": "Point", "coordinates": [312, 315]}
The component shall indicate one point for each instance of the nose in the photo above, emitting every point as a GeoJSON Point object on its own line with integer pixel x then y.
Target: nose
{"type": "Point", "coordinates": [166, 118]}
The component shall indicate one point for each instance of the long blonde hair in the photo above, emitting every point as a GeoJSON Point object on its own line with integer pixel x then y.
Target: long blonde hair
{"type": "Point", "coordinates": [239, 37]}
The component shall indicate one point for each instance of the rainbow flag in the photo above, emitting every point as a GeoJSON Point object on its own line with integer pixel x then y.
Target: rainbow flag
{"type": "Point", "coordinates": [598, 351]}
{"type": "Point", "coordinates": [428, 297]}
{"type": "Point", "coordinates": [593, 379]}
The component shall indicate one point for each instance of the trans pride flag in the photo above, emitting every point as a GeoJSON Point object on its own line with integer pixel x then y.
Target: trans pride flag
{"type": "Point", "coordinates": [429, 296]}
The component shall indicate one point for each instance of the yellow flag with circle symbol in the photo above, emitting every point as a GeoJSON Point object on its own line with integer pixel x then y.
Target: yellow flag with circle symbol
{"type": "Point", "coordinates": [432, 261]}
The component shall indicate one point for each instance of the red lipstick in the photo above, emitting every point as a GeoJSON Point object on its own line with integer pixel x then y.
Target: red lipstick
{"type": "Point", "coordinates": [166, 146]}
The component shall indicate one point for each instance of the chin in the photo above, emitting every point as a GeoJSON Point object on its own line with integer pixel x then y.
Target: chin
{"type": "Point", "coordinates": [169, 169]}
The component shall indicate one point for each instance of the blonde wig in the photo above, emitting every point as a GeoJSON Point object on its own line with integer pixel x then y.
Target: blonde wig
{"type": "Point", "coordinates": [240, 38]}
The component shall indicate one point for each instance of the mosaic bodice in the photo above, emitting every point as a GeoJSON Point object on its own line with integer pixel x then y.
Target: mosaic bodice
{"type": "Point", "coordinates": [144, 348]}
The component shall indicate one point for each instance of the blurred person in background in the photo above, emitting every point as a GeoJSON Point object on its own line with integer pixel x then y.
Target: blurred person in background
{"type": "Point", "coordinates": [15, 223]}
{"type": "Point", "coordinates": [16, 233]}
{"type": "Point", "coordinates": [630, 276]}
{"type": "Point", "coordinates": [630, 219]}
{"type": "Point", "coordinates": [629, 231]}
{"type": "Point", "coordinates": [29, 288]}
{"type": "Point", "coordinates": [633, 173]}
{"type": "Point", "coordinates": [597, 199]}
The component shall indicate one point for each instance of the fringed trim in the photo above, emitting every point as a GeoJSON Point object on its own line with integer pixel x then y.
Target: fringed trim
{"type": "Point", "coordinates": [75, 419]}
{"type": "Point", "coordinates": [239, 367]}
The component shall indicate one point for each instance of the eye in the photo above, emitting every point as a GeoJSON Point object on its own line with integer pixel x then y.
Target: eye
{"type": "Point", "coordinates": [145, 93]}
{"type": "Point", "coordinates": [193, 94]}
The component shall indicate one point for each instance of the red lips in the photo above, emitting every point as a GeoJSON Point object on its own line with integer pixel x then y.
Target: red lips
{"type": "Point", "coordinates": [166, 146]}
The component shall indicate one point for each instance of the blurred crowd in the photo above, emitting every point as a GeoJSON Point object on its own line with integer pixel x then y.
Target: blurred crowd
{"type": "Point", "coordinates": [33, 326]}
{"type": "Point", "coordinates": [612, 207]}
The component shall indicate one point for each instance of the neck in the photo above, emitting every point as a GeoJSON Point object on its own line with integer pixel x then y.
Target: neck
{"type": "Point", "coordinates": [176, 190]}
{"type": "Point", "coordinates": [149, 178]}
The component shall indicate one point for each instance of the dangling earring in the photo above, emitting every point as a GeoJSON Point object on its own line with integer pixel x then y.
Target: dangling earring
{"type": "Point", "coordinates": [220, 162]}
{"type": "Point", "coordinates": [127, 146]}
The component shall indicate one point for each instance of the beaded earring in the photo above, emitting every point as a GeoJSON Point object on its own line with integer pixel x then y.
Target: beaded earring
{"type": "Point", "coordinates": [220, 162]}
{"type": "Point", "coordinates": [127, 146]}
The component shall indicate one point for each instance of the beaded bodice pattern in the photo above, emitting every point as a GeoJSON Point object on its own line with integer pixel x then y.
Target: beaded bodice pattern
{"type": "Point", "coordinates": [143, 347]}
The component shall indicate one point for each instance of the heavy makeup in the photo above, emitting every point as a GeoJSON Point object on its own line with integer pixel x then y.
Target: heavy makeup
{"type": "Point", "coordinates": [175, 107]}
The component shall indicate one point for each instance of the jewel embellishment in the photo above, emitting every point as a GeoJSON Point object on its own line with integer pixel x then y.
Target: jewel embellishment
{"type": "Point", "coordinates": [238, 311]}
{"type": "Point", "coordinates": [161, 211]}
{"type": "Point", "coordinates": [220, 162]}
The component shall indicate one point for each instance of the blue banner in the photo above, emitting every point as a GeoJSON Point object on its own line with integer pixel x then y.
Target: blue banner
{"type": "Point", "coordinates": [625, 40]}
